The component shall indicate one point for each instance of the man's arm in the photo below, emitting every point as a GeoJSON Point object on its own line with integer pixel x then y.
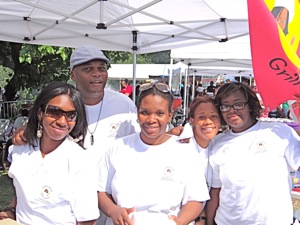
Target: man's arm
{"type": "Point", "coordinates": [212, 205]}
{"type": "Point", "coordinates": [18, 137]}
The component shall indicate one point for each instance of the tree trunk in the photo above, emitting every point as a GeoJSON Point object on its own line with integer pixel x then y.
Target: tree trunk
{"type": "Point", "coordinates": [14, 84]}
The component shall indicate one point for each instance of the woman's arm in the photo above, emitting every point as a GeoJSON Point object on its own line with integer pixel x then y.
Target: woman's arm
{"type": "Point", "coordinates": [201, 219]}
{"type": "Point", "coordinates": [10, 210]}
{"type": "Point", "coordinates": [91, 222]}
{"type": "Point", "coordinates": [188, 213]}
{"type": "Point", "coordinates": [118, 214]}
{"type": "Point", "coordinates": [212, 205]}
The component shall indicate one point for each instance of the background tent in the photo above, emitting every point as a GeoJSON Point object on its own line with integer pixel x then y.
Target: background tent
{"type": "Point", "coordinates": [122, 25]}
{"type": "Point", "coordinates": [122, 71]}
{"type": "Point", "coordinates": [231, 58]}
{"type": "Point", "coordinates": [235, 53]}
{"type": "Point", "coordinates": [138, 26]}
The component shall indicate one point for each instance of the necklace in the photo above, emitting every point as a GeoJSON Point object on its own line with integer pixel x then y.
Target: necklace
{"type": "Point", "coordinates": [92, 133]}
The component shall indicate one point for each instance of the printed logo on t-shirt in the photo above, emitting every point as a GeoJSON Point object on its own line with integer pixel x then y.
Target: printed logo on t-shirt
{"type": "Point", "coordinates": [46, 192]}
{"type": "Point", "coordinates": [113, 129]}
{"type": "Point", "coordinates": [168, 173]}
{"type": "Point", "coordinates": [260, 147]}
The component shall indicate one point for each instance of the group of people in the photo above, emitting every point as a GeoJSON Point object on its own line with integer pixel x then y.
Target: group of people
{"type": "Point", "coordinates": [87, 147]}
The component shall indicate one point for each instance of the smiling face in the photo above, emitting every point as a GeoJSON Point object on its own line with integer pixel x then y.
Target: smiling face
{"type": "Point", "coordinates": [153, 116]}
{"type": "Point", "coordinates": [91, 78]}
{"type": "Point", "coordinates": [206, 123]}
{"type": "Point", "coordinates": [239, 120]}
{"type": "Point", "coordinates": [56, 129]}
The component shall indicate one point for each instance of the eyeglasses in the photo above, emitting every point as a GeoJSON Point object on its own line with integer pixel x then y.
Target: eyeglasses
{"type": "Point", "coordinates": [160, 86]}
{"type": "Point", "coordinates": [56, 113]}
{"type": "Point", "coordinates": [236, 106]}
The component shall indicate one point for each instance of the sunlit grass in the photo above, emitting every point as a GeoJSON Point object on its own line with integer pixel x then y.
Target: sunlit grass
{"type": "Point", "coordinates": [6, 189]}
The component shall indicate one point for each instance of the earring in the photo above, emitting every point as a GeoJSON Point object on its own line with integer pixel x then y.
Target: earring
{"type": "Point", "coordinates": [137, 120]}
{"type": "Point", "coordinates": [39, 131]}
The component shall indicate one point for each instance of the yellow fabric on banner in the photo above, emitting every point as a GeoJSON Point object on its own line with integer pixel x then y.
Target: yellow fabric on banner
{"type": "Point", "coordinates": [290, 40]}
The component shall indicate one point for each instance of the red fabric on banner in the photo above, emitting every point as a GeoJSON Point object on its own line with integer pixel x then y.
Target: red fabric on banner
{"type": "Point", "coordinates": [277, 78]}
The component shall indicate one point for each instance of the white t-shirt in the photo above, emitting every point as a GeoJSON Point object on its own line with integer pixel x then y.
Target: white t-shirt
{"type": "Point", "coordinates": [252, 170]}
{"type": "Point", "coordinates": [200, 89]}
{"type": "Point", "coordinates": [56, 189]}
{"type": "Point", "coordinates": [156, 179]}
{"type": "Point", "coordinates": [118, 118]}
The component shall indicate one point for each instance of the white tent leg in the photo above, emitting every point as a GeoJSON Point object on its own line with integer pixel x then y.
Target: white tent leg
{"type": "Point", "coordinates": [134, 77]}
{"type": "Point", "coordinates": [171, 73]}
{"type": "Point", "coordinates": [134, 48]}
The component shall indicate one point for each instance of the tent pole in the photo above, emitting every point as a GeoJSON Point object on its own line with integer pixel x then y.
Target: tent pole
{"type": "Point", "coordinates": [134, 48]}
{"type": "Point", "coordinates": [134, 77]}
{"type": "Point", "coordinates": [171, 74]}
{"type": "Point", "coordinates": [185, 111]}
{"type": "Point", "coordinates": [193, 85]}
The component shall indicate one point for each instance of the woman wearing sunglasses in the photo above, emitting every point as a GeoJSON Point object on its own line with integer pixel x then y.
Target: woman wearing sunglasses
{"type": "Point", "coordinates": [51, 185]}
{"type": "Point", "coordinates": [251, 164]}
{"type": "Point", "coordinates": [148, 177]}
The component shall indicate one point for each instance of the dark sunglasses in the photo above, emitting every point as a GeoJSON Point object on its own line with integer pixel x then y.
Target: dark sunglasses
{"type": "Point", "coordinates": [160, 86]}
{"type": "Point", "coordinates": [56, 113]}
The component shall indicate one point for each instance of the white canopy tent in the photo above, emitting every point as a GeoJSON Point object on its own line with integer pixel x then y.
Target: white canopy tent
{"type": "Point", "coordinates": [234, 53]}
{"type": "Point", "coordinates": [137, 26]}
{"type": "Point", "coordinates": [123, 25]}
{"type": "Point", "coordinates": [232, 58]}
{"type": "Point", "coordinates": [144, 71]}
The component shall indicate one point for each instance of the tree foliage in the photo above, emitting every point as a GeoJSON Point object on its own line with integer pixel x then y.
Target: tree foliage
{"type": "Point", "coordinates": [27, 67]}
{"type": "Point", "coordinates": [127, 58]}
{"type": "Point", "coordinates": [34, 66]}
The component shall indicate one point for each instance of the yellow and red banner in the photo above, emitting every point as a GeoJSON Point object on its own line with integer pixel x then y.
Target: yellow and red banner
{"type": "Point", "coordinates": [275, 36]}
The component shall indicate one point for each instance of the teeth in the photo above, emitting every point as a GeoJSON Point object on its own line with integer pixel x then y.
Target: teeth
{"type": "Point", "coordinates": [209, 129]}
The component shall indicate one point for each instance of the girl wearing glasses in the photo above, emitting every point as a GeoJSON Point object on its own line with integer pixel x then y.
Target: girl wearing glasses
{"type": "Point", "coordinates": [251, 163]}
{"type": "Point", "coordinates": [52, 186]}
{"type": "Point", "coordinates": [148, 177]}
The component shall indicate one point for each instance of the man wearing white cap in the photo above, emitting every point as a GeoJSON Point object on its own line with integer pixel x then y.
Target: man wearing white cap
{"type": "Point", "coordinates": [110, 114]}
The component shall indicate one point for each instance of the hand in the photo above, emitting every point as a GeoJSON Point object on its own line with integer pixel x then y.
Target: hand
{"type": "Point", "coordinates": [18, 136]}
{"type": "Point", "coordinates": [7, 215]}
{"type": "Point", "coordinates": [120, 216]}
{"type": "Point", "coordinates": [176, 131]}
{"type": "Point", "coordinates": [185, 140]}
{"type": "Point", "coordinates": [175, 219]}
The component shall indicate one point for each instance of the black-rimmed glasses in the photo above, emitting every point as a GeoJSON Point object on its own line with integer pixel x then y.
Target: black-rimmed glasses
{"type": "Point", "coordinates": [160, 86]}
{"type": "Point", "coordinates": [236, 106]}
{"type": "Point", "coordinates": [56, 112]}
